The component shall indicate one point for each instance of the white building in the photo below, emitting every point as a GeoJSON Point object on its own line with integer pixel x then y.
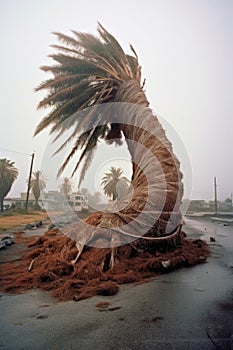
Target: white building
{"type": "Point", "coordinates": [54, 200]}
{"type": "Point", "coordinates": [77, 201]}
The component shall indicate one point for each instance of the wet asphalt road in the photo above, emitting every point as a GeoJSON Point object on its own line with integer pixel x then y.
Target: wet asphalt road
{"type": "Point", "coordinates": [190, 308]}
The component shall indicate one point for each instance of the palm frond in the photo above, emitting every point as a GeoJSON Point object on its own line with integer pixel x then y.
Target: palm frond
{"type": "Point", "coordinates": [115, 50]}
{"type": "Point", "coordinates": [68, 40]}
{"type": "Point", "coordinates": [82, 139]}
{"type": "Point", "coordinates": [91, 143]}
{"type": "Point", "coordinates": [68, 158]}
{"type": "Point", "coordinates": [88, 159]}
{"type": "Point", "coordinates": [60, 80]}
{"type": "Point", "coordinates": [88, 71]}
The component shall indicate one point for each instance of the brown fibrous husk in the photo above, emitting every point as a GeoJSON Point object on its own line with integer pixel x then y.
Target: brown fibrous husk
{"type": "Point", "coordinates": [53, 271]}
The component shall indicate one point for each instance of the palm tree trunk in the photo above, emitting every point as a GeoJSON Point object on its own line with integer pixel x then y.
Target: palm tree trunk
{"type": "Point", "coordinates": [1, 204]}
{"type": "Point", "coordinates": [155, 167]}
{"type": "Point", "coordinates": [151, 211]}
{"type": "Point", "coordinates": [36, 193]}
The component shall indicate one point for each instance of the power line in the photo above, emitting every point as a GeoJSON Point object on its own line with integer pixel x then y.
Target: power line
{"type": "Point", "coordinates": [8, 150]}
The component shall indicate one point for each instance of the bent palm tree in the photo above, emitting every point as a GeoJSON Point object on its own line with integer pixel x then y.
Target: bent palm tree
{"type": "Point", "coordinates": [115, 185]}
{"type": "Point", "coordinates": [94, 71]}
{"type": "Point", "coordinates": [38, 183]}
{"type": "Point", "coordinates": [8, 174]}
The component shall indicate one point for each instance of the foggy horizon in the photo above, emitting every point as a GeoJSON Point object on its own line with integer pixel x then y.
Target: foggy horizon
{"type": "Point", "coordinates": [185, 50]}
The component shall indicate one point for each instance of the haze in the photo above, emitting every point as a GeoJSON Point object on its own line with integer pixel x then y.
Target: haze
{"type": "Point", "coordinates": [184, 47]}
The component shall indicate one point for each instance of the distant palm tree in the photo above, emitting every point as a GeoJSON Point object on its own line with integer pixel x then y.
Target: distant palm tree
{"type": "Point", "coordinates": [8, 174]}
{"type": "Point", "coordinates": [115, 185]}
{"type": "Point", "coordinates": [66, 186]}
{"type": "Point", "coordinates": [38, 183]}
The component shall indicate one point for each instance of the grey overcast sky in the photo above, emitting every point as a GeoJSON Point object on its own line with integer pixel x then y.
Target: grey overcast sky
{"type": "Point", "coordinates": [184, 47]}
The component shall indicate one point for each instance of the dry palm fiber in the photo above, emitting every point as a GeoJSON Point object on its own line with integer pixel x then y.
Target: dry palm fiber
{"type": "Point", "coordinates": [52, 269]}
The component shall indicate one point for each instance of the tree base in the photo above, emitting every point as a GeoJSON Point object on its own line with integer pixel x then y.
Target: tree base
{"type": "Point", "coordinates": [46, 264]}
{"type": "Point", "coordinates": [37, 207]}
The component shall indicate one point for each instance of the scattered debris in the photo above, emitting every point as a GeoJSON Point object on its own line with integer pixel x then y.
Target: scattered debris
{"type": "Point", "coordinates": [114, 308]}
{"type": "Point", "coordinates": [212, 239]}
{"type": "Point", "coordinates": [51, 226]}
{"type": "Point", "coordinates": [6, 241]}
{"type": "Point", "coordinates": [199, 290]}
{"type": "Point", "coordinates": [166, 263]}
{"type": "Point", "coordinates": [41, 317]}
{"type": "Point", "coordinates": [33, 226]}
{"type": "Point", "coordinates": [157, 318]}
{"type": "Point", "coordinates": [31, 265]}
{"type": "Point", "coordinates": [52, 271]}
{"type": "Point", "coordinates": [2, 245]}
{"type": "Point", "coordinates": [154, 319]}
{"type": "Point", "coordinates": [44, 305]}
{"type": "Point", "coordinates": [103, 304]}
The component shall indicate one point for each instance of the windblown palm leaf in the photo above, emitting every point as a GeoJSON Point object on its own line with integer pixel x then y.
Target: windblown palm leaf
{"type": "Point", "coordinates": [88, 72]}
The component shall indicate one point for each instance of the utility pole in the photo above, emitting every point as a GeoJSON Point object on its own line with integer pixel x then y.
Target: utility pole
{"type": "Point", "coordinates": [29, 180]}
{"type": "Point", "coordinates": [215, 196]}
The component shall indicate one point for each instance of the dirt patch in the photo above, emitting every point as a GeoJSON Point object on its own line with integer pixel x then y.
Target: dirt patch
{"type": "Point", "coordinates": [7, 222]}
{"type": "Point", "coordinates": [53, 271]}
